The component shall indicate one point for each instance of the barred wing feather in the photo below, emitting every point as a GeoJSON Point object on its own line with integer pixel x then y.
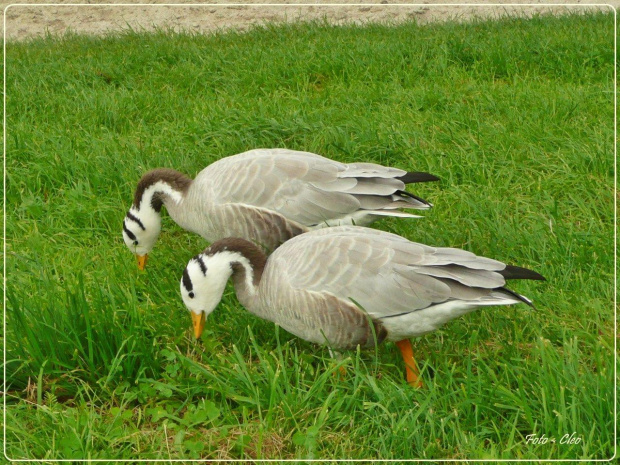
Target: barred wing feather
{"type": "Point", "coordinates": [386, 274]}
{"type": "Point", "coordinates": [308, 188]}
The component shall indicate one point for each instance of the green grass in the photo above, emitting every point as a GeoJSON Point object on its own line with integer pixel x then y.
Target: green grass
{"type": "Point", "coordinates": [514, 116]}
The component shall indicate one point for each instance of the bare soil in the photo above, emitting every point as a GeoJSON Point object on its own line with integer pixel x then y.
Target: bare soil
{"type": "Point", "coordinates": [24, 21]}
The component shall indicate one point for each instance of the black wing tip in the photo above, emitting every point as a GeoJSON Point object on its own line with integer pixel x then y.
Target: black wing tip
{"type": "Point", "coordinates": [520, 297]}
{"type": "Point", "coordinates": [417, 176]}
{"type": "Point", "coordinates": [517, 272]}
{"type": "Point", "coordinates": [415, 197]}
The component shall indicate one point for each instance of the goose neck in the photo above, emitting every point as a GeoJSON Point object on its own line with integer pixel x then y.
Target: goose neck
{"type": "Point", "coordinates": [159, 187]}
{"type": "Point", "coordinates": [247, 262]}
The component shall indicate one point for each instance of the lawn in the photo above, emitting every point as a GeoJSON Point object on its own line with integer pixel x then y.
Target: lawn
{"type": "Point", "coordinates": [515, 117]}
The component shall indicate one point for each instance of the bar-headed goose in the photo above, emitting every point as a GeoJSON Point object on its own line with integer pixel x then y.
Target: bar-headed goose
{"type": "Point", "coordinates": [267, 196]}
{"type": "Point", "coordinates": [349, 286]}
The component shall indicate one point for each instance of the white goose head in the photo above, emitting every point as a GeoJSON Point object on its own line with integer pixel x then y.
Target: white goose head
{"type": "Point", "coordinates": [140, 232]}
{"type": "Point", "coordinates": [205, 276]}
{"type": "Point", "coordinates": [142, 224]}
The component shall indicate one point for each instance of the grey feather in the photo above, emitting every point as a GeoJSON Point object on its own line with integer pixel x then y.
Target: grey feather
{"type": "Point", "coordinates": [467, 276]}
{"type": "Point", "coordinates": [370, 170]}
{"type": "Point", "coordinates": [376, 186]}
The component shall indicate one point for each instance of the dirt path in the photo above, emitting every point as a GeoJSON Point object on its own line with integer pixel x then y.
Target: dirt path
{"type": "Point", "coordinates": [24, 21]}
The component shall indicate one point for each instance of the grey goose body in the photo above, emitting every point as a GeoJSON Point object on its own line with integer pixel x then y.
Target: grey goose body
{"type": "Point", "coordinates": [268, 196]}
{"type": "Point", "coordinates": [347, 286]}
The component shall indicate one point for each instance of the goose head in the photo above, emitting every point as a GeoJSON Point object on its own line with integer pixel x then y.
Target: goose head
{"type": "Point", "coordinates": [142, 224]}
{"type": "Point", "coordinates": [205, 277]}
{"type": "Point", "coordinates": [141, 229]}
{"type": "Point", "coordinates": [203, 283]}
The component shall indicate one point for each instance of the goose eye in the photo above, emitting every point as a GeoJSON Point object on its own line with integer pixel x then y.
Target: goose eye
{"type": "Point", "coordinates": [191, 295]}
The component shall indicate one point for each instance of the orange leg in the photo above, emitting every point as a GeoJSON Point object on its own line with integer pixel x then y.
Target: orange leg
{"type": "Point", "coordinates": [413, 374]}
{"type": "Point", "coordinates": [342, 370]}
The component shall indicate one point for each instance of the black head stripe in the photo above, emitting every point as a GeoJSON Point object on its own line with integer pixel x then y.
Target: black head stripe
{"type": "Point", "coordinates": [128, 232]}
{"type": "Point", "coordinates": [203, 267]}
{"type": "Point", "coordinates": [136, 219]}
{"type": "Point", "coordinates": [187, 282]}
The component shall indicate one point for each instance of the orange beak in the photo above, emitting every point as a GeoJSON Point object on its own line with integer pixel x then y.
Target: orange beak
{"type": "Point", "coordinates": [142, 261]}
{"type": "Point", "coordinates": [199, 324]}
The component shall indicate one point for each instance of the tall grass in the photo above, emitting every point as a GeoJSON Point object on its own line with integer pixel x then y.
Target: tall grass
{"type": "Point", "coordinates": [514, 116]}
